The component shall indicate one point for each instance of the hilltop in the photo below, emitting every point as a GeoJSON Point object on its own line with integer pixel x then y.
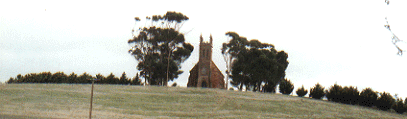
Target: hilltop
{"type": "Point", "coordinates": [118, 101]}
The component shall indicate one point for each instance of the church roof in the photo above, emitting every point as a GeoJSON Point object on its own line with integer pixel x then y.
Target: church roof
{"type": "Point", "coordinates": [212, 65]}
{"type": "Point", "coordinates": [216, 68]}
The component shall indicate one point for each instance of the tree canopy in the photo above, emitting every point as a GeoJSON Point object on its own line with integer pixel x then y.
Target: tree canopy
{"type": "Point", "coordinates": [160, 48]}
{"type": "Point", "coordinates": [254, 63]}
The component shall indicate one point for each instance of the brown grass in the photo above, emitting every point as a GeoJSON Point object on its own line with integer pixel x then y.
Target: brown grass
{"type": "Point", "coordinates": [116, 101]}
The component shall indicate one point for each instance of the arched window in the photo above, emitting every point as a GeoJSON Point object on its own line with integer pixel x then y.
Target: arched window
{"type": "Point", "coordinates": [207, 53]}
{"type": "Point", "coordinates": [204, 53]}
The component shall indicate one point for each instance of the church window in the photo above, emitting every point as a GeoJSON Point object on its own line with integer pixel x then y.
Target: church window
{"type": "Point", "coordinates": [203, 53]}
{"type": "Point", "coordinates": [207, 53]}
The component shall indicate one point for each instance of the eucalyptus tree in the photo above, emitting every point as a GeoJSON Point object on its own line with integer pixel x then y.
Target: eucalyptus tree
{"type": "Point", "coordinates": [160, 48]}
{"type": "Point", "coordinates": [135, 80]}
{"type": "Point", "coordinates": [231, 51]}
{"type": "Point", "coordinates": [254, 63]}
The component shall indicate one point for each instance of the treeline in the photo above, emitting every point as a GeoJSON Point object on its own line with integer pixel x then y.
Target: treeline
{"type": "Point", "coordinates": [85, 78]}
{"type": "Point", "coordinates": [350, 95]}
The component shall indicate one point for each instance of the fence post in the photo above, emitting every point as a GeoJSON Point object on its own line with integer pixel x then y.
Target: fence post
{"type": "Point", "coordinates": [91, 97]}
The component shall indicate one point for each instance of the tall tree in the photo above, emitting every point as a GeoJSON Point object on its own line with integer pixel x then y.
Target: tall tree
{"type": "Point", "coordinates": [230, 51]}
{"type": "Point", "coordinates": [161, 48]}
{"type": "Point", "coordinates": [254, 63]}
{"type": "Point", "coordinates": [136, 80]}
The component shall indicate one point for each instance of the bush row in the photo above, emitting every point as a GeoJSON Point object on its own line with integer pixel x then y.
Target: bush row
{"type": "Point", "coordinates": [350, 95]}
{"type": "Point", "coordinates": [61, 77]}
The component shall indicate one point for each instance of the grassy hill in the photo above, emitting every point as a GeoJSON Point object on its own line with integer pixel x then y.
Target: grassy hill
{"type": "Point", "coordinates": [116, 101]}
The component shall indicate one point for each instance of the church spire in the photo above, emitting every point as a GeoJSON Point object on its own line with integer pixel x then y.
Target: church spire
{"type": "Point", "coordinates": [201, 39]}
{"type": "Point", "coordinates": [211, 40]}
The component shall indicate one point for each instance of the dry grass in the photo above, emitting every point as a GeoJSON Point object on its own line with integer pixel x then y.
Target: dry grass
{"type": "Point", "coordinates": [116, 101]}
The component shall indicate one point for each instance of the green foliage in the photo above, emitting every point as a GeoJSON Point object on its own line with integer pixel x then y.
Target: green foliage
{"type": "Point", "coordinates": [84, 78]}
{"type": "Point", "coordinates": [231, 89]}
{"type": "Point", "coordinates": [174, 84]}
{"type": "Point", "coordinates": [123, 79]}
{"type": "Point", "coordinates": [270, 87]}
{"type": "Point", "coordinates": [136, 80]}
{"type": "Point", "coordinates": [161, 48]}
{"type": "Point", "coordinates": [286, 87]}
{"type": "Point", "coordinates": [101, 79]}
{"type": "Point", "coordinates": [317, 92]}
{"type": "Point", "coordinates": [59, 77]}
{"type": "Point", "coordinates": [335, 93]}
{"type": "Point", "coordinates": [385, 101]}
{"type": "Point", "coordinates": [301, 92]}
{"type": "Point", "coordinates": [399, 106]}
{"type": "Point", "coordinates": [368, 97]}
{"type": "Point", "coordinates": [10, 81]}
{"type": "Point", "coordinates": [350, 95]}
{"type": "Point", "coordinates": [72, 78]}
{"type": "Point", "coordinates": [254, 63]}
{"type": "Point", "coordinates": [111, 79]}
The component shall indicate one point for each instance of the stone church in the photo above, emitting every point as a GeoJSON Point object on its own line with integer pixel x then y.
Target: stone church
{"type": "Point", "coordinates": [205, 73]}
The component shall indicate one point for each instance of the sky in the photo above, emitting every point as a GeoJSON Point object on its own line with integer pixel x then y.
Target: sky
{"type": "Point", "coordinates": [329, 42]}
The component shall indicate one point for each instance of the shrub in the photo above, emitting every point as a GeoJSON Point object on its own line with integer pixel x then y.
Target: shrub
{"type": "Point", "coordinates": [301, 91]}
{"type": "Point", "coordinates": [399, 106]}
{"type": "Point", "coordinates": [334, 93]}
{"type": "Point", "coordinates": [174, 84]}
{"type": "Point", "coordinates": [317, 92]}
{"type": "Point", "coordinates": [231, 89]}
{"type": "Point", "coordinates": [286, 87]}
{"type": "Point", "coordinates": [350, 95]}
{"type": "Point", "coordinates": [368, 97]}
{"type": "Point", "coordinates": [11, 80]}
{"type": "Point", "coordinates": [269, 87]}
{"type": "Point", "coordinates": [136, 81]}
{"type": "Point", "coordinates": [385, 101]}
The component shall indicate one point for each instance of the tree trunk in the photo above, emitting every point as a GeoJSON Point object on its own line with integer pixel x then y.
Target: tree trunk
{"type": "Point", "coordinates": [241, 87]}
{"type": "Point", "coordinates": [168, 65]}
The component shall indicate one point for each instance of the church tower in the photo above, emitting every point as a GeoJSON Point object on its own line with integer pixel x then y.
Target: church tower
{"type": "Point", "coordinates": [205, 73]}
{"type": "Point", "coordinates": [205, 58]}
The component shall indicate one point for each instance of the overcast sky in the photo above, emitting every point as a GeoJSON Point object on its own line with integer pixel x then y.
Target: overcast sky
{"type": "Point", "coordinates": [340, 41]}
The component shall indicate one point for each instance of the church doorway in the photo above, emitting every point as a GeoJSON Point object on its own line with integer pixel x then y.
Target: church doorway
{"type": "Point", "coordinates": [204, 84]}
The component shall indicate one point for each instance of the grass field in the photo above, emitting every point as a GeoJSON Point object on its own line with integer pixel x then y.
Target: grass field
{"type": "Point", "coordinates": [117, 101]}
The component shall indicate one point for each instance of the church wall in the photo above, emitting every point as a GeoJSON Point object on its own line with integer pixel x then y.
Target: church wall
{"type": "Point", "coordinates": [217, 78]}
{"type": "Point", "coordinates": [193, 77]}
